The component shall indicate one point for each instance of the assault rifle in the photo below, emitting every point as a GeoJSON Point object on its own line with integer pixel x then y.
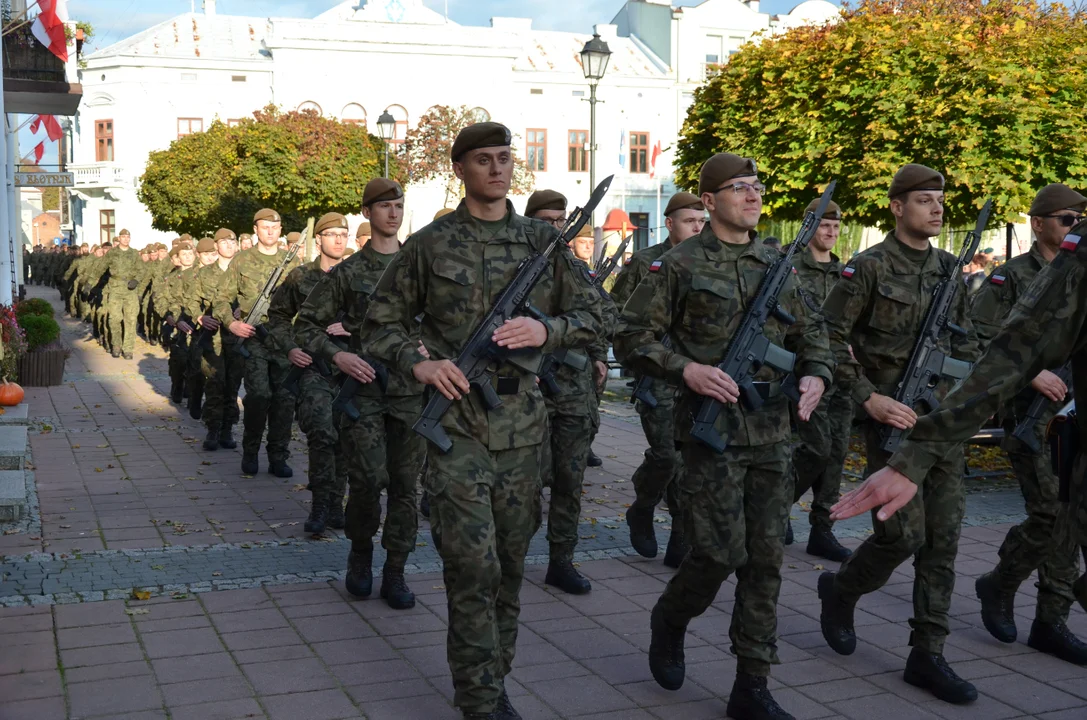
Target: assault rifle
{"type": "Point", "coordinates": [1024, 431]}
{"type": "Point", "coordinates": [351, 386]}
{"type": "Point", "coordinates": [929, 365]}
{"type": "Point", "coordinates": [750, 350]}
{"type": "Point", "coordinates": [643, 388]}
{"type": "Point", "coordinates": [480, 352]}
{"type": "Point", "coordinates": [291, 382]}
{"type": "Point", "coordinates": [1063, 435]}
{"type": "Point", "coordinates": [260, 307]}
{"type": "Point", "coordinates": [605, 268]}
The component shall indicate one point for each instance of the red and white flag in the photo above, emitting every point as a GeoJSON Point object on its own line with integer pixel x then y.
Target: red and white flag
{"type": "Point", "coordinates": [653, 162]}
{"type": "Point", "coordinates": [49, 26]}
{"type": "Point", "coordinates": [39, 152]}
{"type": "Point", "coordinates": [52, 127]}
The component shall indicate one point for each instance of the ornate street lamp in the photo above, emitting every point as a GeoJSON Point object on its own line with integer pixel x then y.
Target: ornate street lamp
{"type": "Point", "coordinates": [386, 127]}
{"type": "Point", "coordinates": [594, 63]}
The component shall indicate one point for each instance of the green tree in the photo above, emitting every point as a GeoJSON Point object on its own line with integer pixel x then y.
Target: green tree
{"type": "Point", "coordinates": [299, 163]}
{"type": "Point", "coordinates": [988, 93]}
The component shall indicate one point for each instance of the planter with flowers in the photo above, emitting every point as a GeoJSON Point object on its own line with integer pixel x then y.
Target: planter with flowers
{"type": "Point", "coordinates": [42, 363]}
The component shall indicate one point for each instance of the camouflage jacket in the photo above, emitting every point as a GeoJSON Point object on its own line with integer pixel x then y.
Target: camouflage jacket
{"type": "Point", "coordinates": [287, 301]}
{"type": "Point", "coordinates": [697, 294]}
{"type": "Point", "coordinates": [816, 278]}
{"type": "Point", "coordinates": [205, 289]}
{"type": "Point", "coordinates": [185, 296]}
{"type": "Point", "coordinates": [245, 278]}
{"type": "Point", "coordinates": [348, 287]}
{"type": "Point", "coordinates": [172, 290]}
{"type": "Point", "coordinates": [450, 272]}
{"type": "Point", "coordinates": [877, 308]}
{"type": "Point", "coordinates": [124, 266]}
{"type": "Point", "coordinates": [1045, 328]}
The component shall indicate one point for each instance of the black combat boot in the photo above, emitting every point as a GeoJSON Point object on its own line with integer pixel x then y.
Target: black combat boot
{"type": "Point", "coordinates": [196, 405]}
{"type": "Point", "coordinates": [562, 574]}
{"type": "Point", "coordinates": [931, 672]}
{"type": "Point", "coordinates": [822, 543]}
{"type": "Point", "coordinates": [666, 651]}
{"type": "Point", "coordinates": [496, 714]}
{"type": "Point", "coordinates": [997, 608]}
{"type": "Point", "coordinates": [359, 580]}
{"type": "Point", "coordinates": [177, 392]}
{"type": "Point", "coordinates": [1057, 640]}
{"type": "Point", "coordinates": [593, 460]}
{"type": "Point", "coordinates": [394, 588]}
{"type": "Point", "coordinates": [249, 464]}
{"type": "Point", "coordinates": [642, 536]}
{"type": "Point", "coordinates": [1079, 589]}
{"type": "Point", "coordinates": [226, 437]}
{"type": "Point", "coordinates": [750, 699]}
{"type": "Point", "coordinates": [505, 706]}
{"type": "Point", "coordinates": [318, 518]}
{"type": "Point", "coordinates": [677, 547]}
{"type": "Point", "coordinates": [424, 505]}
{"type": "Point", "coordinates": [836, 617]}
{"type": "Point", "coordinates": [336, 519]}
{"type": "Point", "coordinates": [788, 531]}
{"type": "Point", "coordinates": [115, 353]}
{"type": "Point", "coordinates": [280, 468]}
{"type": "Point", "coordinates": [211, 442]}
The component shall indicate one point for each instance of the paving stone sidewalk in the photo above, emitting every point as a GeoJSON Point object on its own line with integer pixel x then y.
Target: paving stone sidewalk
{"type": "Point", "coordinates": [247, 617]}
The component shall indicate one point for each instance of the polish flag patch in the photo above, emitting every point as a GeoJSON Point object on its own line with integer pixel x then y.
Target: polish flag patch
{"type": "Point", "coordinates": [848, 272]}
{"type": "Point", "coordinates": [997, 279]}
{"type": "Point", "coordinates": [592, 274]}
{"type": "Point", "coordinates": [627, 261]}
{"type": "Point", "coordinates": [655, 266]}
{"type": "Point", "coordinates": [1071, 242]}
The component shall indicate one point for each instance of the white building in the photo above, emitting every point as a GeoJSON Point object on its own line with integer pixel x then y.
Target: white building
{"type": "Point", "coordinates": [361, 58]}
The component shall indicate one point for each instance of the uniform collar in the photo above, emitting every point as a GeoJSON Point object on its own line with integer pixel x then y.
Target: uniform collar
{"type": "Point", "coordinates": [1036, 254]}
{"type": "Point", "coordinates": [465, 217]}
{"type": "Point", "coordinates": [715, 248]}
{"type": "Point", "coordinates": [903, 265]}
{"type": "Point", "coordinates": [809, 260]}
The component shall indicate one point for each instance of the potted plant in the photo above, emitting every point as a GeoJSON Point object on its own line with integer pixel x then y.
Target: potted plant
{"type": "Point", "coordinates": [12, 344]}
{"type": "Point", "coordinates": [42, 365]}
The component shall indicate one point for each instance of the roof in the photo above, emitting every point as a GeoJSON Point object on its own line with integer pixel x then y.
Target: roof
{"type": "Point", "coordinates": [552, 51]}
{"type": "Point", "coordinates": [226, 37]}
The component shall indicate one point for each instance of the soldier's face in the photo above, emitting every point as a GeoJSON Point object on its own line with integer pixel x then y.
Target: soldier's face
{"type": "Point", "coordinates": [226, 248]}
{"type": "Point", "coordinates": [920, 213]}
{"type": "Point", "coordinates": [685, 223]}
{"type": "Point", "coordinates": [827, 235]}
{"type": "Point", "coordinates": [556, 218]}
{"type": "Point", "coordinates": [188, 257]}
{"type": "Point", "coordinates": [124, 241]}
{"type": "Point", "coordinates": [333, 243]}
{"type": "Point", "coordinates": [385, 216]}
{"type": "Point", "coordinates": [487, 173]}
{"type": "Point", "coordinates": [268, 232]}
{"type": "Point", "coordinates": [99, 252]}
{"type": "Point", "coordinates": [1051, 230]}
{"type": "Point", "coordinates": [583, 248]}
{"type": "Point", "coordinates": [207, 258]}
{"type": "Point", "coordinates": [735, 210]}
{"type": "Point", "coordinates": [247, 242]}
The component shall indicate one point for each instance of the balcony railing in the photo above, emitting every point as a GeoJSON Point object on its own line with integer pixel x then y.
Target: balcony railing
{"type": "Point", "coordinates": [100, 175]}
{"type": "Point", "coordinates": [27, 59]}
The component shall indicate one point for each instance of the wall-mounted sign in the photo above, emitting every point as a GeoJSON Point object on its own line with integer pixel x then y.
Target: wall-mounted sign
{"type": "Point", "coordinates": [44, 179]}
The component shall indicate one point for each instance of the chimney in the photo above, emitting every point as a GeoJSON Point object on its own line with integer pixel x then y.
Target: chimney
{"type": "Point", "coordinates": [209, 7]}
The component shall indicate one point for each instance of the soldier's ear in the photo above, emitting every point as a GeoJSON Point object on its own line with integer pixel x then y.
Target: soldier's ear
{"type": "Point", "coordinates": [458, 170]}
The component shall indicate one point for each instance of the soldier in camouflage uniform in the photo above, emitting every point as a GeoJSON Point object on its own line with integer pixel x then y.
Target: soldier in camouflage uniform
{"type": "Point", "coordinates": [327, 467]}
{"type": "Point", "coordinates": [818, 461]}
{"type": "Point", "coordinates": [734, 504]}
{"type": "Point", "coordinates": [125, 272]}
{"type": "Point", "coordinates": [99, 293]}
{"type": "Point", "coordinates": [267, 402]}
{"type": "Point", "coordinates": [684, 216]}
{"type": "Point", "coordinates": [384, 452]}
{"type": "Point", "coordinates": [1042, 542]}
{"type": "Point", "coordinates": [877, 308]}
{"type": "Point", "coordinates": [186, 306]}
{"type": "Point", "coordinates": [172, 285]}
{"type": "Point", "coordinates": [485, 492]}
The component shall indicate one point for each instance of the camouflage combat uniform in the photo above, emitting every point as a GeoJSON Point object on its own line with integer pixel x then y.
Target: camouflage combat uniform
{"type": "Point", "coordinates": [125, 272]}
{"type": "Point", "coordinates": [178, 363]}
{"type": "Point", "coordinates": [877, 308]}
{"type": "Point", "coordinates": [185, 304]}
{"type": "Point", "coordinates": [221, 367]}
{"type": "Point", "coordinates": [734, 504]}
{"type": "Point", "coordinates": [485, 492]}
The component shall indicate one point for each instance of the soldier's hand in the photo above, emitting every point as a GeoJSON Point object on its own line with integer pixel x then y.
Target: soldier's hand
{"type": "Point", "coordinates": [711, 381]}
{"type": "Point", "coordinates": [299, 358]}
{"type": "Point", "coordinates": [353, 366]}
{"type": "Point", "coordinates": [237, 313]}
{"type": "Point", "coordinates": [520, 332]}
{"type": "Point", "coordinates": [423, 351]}
{"type": "Point", "coordinates": [889, 411]}
{"type": "Point", "coordinates": [242, 329]}
{"type": "Point", "coordinates": [811, 392]}
{"type": "Point", "coordinates": [1050, 385]}
{"type": "Point", "coordinates": [171, 321]}
{"type": "Point", "coordinates": [208, 322]}
{"type": "Point", "coordinates": [444, 375]}
{"type": "Point", "coordinates": [601, 373]}
{"type": "Point", "coordinates": [184, 327]}
{"type": "Point", "coordinates": [337, 330]}
{"type": "Point", "coordinates": [887, 489]}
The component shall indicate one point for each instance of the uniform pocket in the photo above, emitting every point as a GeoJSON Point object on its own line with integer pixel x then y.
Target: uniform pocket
{"type": "Point", "coordinates": [893, 311]}
{"type": "Point", "coordinates": [711, 304]}
{"type": "Point", "coordinates": [449, 291]}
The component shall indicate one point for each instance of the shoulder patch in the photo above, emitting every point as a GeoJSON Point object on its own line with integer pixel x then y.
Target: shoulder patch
{"type": "Point", "coordinates": [997, 279]}
{"type": "Point", "coordinates": [655, 266]}
{"type": "Point", "coordinates": [848, 272]}
{"type": "Point", "coordinates": [1071, 242]}
{"type": "Point", "coordinates": [628, 261]}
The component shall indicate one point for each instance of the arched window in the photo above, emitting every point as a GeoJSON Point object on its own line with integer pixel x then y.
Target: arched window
{"type": "Point", "coordinates": [310, 105]}
{"type": "Point", "coordinates": [401, 116]}
{"type": "Point", "coordinates": [353, 113]}
{"type": "Point", "coordinates": [478, 115]}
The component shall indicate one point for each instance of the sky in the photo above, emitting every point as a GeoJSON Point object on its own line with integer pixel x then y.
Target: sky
{"type": "Point", "coordinates": [115, 20]}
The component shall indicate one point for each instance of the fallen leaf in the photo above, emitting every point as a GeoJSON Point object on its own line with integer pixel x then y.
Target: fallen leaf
{"type": "Point", "coordinates": [817, 567]}
{"type": "Point", "coordinates": [12, 532]}
{"type": "Point", "coordinates": [103, 446]}
{"type": "Point", "coordinates": [119, 454]}
{"type": "Point", "coordinates": [141, 595]}
{"type": "Point", "coordinates": [157, 567]}
{"type": "Point", "coordinates": [98, 469]}
{"type": "Point", "coordinates": [138, 611]}
{"type": "Point", "coordinates": [276, 525]}
{"type": "Point", "coordinates": [205, 462]}
{"type": "Point", "coordinates": [76, 447]}
{"type": "Point", "coordinates": [65, 527]}
{"type": "Point", "coordinates": [216, 574]}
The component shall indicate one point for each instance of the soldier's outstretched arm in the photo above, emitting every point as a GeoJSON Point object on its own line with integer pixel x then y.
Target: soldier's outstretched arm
{"type": "Point", "coordinates": [841, 310]}
{"type": "Point", "coordinates": [643, 322]}
{"type": "Point", "coordinates": [318, 312]}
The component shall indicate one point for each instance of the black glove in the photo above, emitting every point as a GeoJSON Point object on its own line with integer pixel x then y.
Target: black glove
{"type": "Point", "coordinates": [132, 284]}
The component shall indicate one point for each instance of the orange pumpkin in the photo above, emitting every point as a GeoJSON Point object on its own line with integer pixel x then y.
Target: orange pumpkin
{"type": "Point", "coordinates": [10, 394]}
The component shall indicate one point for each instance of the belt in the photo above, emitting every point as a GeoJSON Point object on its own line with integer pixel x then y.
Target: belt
{"type": "Point", "coordinates": [884, 377]}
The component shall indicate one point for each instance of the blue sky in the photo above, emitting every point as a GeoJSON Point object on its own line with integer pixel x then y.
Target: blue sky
{"type": "Point", "coordinates": [115, 20]}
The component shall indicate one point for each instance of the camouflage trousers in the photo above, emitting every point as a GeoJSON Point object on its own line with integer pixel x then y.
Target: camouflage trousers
{"type": "Point", "coordinates": [655, 477]}
{"type": "Point", "coordinates": [570, 432]}
{"type": "Point", "coordinates": [383, 453]}
{"type": "Point", "coordinates": [267, 403]}
{"type": "Point", "coordinates": [327, 466]}
{"type": "Point", "coordinates": [195, 375]}
{"type": "Point", "coordinates": [818, 460]}
{"type": "Point", "coordinates": [734, 510]}
{"type": "Point", "coordinates": [221, 373]}
{"type": "Point", "coordinates": [1043, 541]}
{"type": "Point", "coordinates": [124, 308]}
{"type": "Point", "coordinates": [486, 507]}
{"type": "Point", "coordinates": [926, 529]}
{"type": "Point", "coordinates": [178, 363]}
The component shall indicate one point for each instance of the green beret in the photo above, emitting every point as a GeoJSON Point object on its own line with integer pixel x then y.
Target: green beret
{"type": "Point", "coordinates": [544, 200]}
{"type": "Point", "coordinates": [723, 167]}
{"type": "Point", "coordinates": [293, 237]}
{"type": "Point", "coordinates": [833, 211]}
{"type": "Point", "coordinates": [586, 231]}
{"type": "Point", "coordinates": [245, 236]}
{"type": "Point", "coordinates": [914, 177]}
{"type": "Point", "coordinates": [364, 229]}
{"type": "Point", "coordinates": [480, 135]}
{"type": "Point", "coordinates": [380, 189]}
{"type": "Point", "coordinates": [124, 232]}
{"type": "Point", "coordinates": [224, 234]}
{"type": "Point", "coordinates": [1054, 197]}
{"type": "Point", "coordinates": [683, 201]}
{"type": "Point", "coordinates": [328, 221]}
{"type": "Point", "coordinates": [185, 238]}
{"type": "Point", "coordinates": [205, 245]}
{"type": "Point", "coordinates": [266, 214]}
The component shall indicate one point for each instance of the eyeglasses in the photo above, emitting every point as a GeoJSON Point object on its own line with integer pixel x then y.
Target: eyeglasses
{"type": "Point", "coordinates": [1066, 220]}
{"type": "Point", "coordinates": [741, 188]}
{"type": "Point", "coordinates": [336, 235]}
{"type": "Point", "coordinates": [557, 222]}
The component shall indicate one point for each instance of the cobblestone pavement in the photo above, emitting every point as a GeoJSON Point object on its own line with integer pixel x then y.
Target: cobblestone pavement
{"type": "Point", "coordinates": [246, 617]}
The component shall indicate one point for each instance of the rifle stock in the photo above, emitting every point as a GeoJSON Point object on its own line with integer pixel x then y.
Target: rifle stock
{"type": "Point", "coordinates": [1064, 439]}
{"type": "Point", "coordinates": [1024, 430]}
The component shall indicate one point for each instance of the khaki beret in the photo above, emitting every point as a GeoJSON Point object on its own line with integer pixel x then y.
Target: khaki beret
{"type": "Point", "coordinates": [185, 246]}
{"type": "Point", "coordinates": [175, 250]}
{"type": "Point", "coordinates": [683, 201]}
{"type": "Point", "coordinates": [124, 232]}
{"type": "Point", "coordinates": [107, 244]}
{"type": "Point", "coordinates": [224, 234]}
{"type": "Point", "coordinates": [186, 238]}
{"type": "Point", "coordinates": [915, 177]}
{"type": "Point", "coordinates": [723, 167]}
{"type": "Point", "coordinates": [443, 212]}
{"type": "Point", "coordinates": [328, 221]}
{"type": "Point", "coordinates": [292, 238]}
{"type": "Point", "coordinates": [245, 236]}
{"type": "Point", "coordinates": [480, 135]}
{"type": "Point", "coordinates": [364, 229]}
{"type": "Point", "coordinates": [586, 231]}
{"type": "Point", "coordinates": [380, 189]}
{"type": "Point", "coordinates": [205, 245]}
{"type": "Point", "coordinates": [833, 211]}
{"type": "Point", "coordinates": [544, 200]}
{"type": "Point", "coordinates": [267, 214]}
{"type": "Point", "coordinates": [1054, 197]}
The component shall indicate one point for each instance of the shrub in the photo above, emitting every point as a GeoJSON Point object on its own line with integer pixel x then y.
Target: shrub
{"type": "Point", "coordinates": [40, 330]}
{"type": "Point", "coordinates": [34, 306]}
{"type": "Point", "coordinates": [14, 340]}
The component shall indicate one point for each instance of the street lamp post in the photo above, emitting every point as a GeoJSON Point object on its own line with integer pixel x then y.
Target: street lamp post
{"type": "Point", "coordinates": [594, 63]}
{"type": "Point", "coordinates": [386, 126]}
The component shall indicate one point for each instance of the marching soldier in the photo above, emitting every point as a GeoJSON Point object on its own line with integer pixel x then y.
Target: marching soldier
{"type": "Point", "coordinates": [362, 235]}
{"type": "Point", "coordinates": [172, 285]}
{"type": "Point", "coordinates": [877, 308]}
{"type": "Point", "coordinates": [485, 492]}
{"type": "Point", "coordinates": [684, 217]}
{"type": "Point", "coordinates": [188, 309]}
{"type": "Point", "coordinates": [734, 504]}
